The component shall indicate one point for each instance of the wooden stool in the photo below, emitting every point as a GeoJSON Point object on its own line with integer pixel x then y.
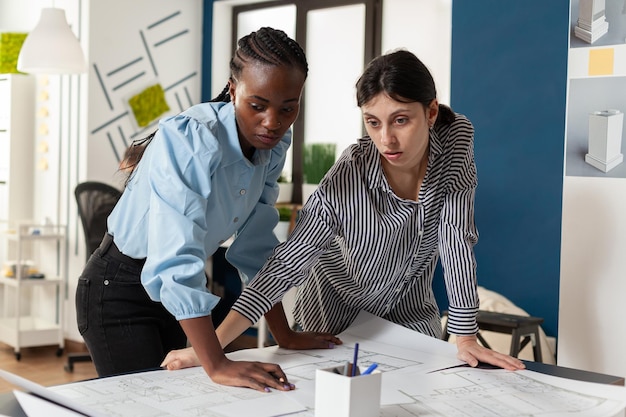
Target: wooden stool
{"type": "Point", "coordinates": [523, 329]}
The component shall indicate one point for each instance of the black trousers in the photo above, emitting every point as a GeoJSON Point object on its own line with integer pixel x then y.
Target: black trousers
{"type": "Point", "coordinates": [123, 328]}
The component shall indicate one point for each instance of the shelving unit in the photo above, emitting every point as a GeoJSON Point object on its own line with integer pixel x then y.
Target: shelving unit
{"type": "Point", "coordinates": [32, 308]}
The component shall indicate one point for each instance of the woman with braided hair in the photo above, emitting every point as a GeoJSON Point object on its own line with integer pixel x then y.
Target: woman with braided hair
{"type": "Point", "coordinates": [207, 174]}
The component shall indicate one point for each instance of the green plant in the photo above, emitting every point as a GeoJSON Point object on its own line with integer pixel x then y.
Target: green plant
{"type": "Point", "coordinates": [10, 45]}
{"type": "Point", "coordinates": [284, 214]}
{"type": "Point", "coordinates": [148, 105]}
{"type": "Point", "coordinates": [318, 158]}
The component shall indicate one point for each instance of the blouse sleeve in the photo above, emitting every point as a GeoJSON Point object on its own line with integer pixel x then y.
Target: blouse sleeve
{"type": "Point", "coordinates": [185, 155]}
{"type": "Point", "coordinates": [292, 260]}
{"type": "Point", "coordinates": [457, 230]}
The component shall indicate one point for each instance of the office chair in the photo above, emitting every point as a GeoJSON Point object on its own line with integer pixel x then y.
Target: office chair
{"type": "Point", "coordinates": [95, 201]}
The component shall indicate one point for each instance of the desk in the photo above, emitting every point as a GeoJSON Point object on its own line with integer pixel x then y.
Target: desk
{"type": "Point", "coordinates": [413, 364]}
{"type": "Point", "coordinates": [9, 405]}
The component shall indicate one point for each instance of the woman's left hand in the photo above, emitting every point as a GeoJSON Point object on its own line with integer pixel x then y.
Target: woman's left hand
{"type": "Point", "coordinates": [180, 359]}
{"type": "Point", "coordinates": [308, 340]}
{"type": "Point", "coordinates": [471, 352]}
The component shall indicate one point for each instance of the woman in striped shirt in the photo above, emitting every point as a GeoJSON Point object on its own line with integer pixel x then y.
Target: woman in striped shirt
{"type": "Point", "coordinates": [370, 237]}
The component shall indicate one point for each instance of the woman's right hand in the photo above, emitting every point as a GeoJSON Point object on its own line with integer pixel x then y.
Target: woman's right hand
{"type": "Point", "coordinates": [256, 375]}
{"type": "Point", "coordinates": [259, 376]}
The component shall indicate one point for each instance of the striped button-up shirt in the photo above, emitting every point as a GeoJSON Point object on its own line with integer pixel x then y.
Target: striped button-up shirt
{"type": "Point", "coordinates": [357, 246]}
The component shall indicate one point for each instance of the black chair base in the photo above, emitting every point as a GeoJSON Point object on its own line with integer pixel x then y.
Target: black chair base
{"type": "Point", "coordinates": [76, 357]}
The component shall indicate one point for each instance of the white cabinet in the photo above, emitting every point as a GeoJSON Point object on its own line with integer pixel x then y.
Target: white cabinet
{"type": "Point", "coordinates": [32, 305]}
{"type": "Point", "coordinates": [17, 120]}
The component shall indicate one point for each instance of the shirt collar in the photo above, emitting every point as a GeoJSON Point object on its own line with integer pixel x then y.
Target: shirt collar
{"type": "Point", "coordinates": [231, 148]}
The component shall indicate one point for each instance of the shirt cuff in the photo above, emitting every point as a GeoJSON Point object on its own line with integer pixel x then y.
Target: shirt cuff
{"type": "Point", "coordinates": [252, 304]}
{"type": "Point", "coordinates": [462, 321]}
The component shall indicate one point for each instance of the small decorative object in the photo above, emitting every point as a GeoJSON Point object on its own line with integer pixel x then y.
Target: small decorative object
{"type": "Point", "coordinates": [605, 139]}
{"type": "Point", "coordinates": [148, 105]}
{"type": "Point", "coordinates": [591, 24]}
{"type": "Point", "coordinates": [10, 45]}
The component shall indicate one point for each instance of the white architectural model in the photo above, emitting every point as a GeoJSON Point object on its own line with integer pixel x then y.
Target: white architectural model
{"type": "Point", "coordinates": [605, 139]}
{"type": "Point", "coordinates": [591, 24]}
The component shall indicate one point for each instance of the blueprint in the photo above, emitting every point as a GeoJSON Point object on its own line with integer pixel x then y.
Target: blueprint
{"type": "Point", "coordinates": [420, 377]}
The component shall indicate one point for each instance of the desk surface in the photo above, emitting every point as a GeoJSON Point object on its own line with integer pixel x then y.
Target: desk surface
{"type": "Point", "coordinates": [10, 406]}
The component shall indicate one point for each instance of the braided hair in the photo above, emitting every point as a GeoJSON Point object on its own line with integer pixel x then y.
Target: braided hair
{"type": "Point", "coordinates": [267, 46]}
{"type": "Point", "coordinates": [403, 77]}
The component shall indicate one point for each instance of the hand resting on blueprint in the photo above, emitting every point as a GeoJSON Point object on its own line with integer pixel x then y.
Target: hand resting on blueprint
{"type": "Point", "coordinates": [284, 336]}
{"type": "Point", "coordinates": [471, 352]}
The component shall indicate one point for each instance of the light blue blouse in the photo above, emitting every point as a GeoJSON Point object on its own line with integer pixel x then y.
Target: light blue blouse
{"type": "Point", "coordinates": [192, 191]}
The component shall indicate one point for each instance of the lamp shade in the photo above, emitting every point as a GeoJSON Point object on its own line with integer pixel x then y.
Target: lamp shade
{"type": "Point", "coordinates": [51, 48]}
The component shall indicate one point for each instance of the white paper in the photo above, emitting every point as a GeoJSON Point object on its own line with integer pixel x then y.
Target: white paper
{"type": "Point", "coordinates": [410, 385]}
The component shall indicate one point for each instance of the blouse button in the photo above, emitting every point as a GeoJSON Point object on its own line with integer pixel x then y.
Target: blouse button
{"type": "Point", "coordinates": [242, 192]}
{"type": "Point", "coordinates": [106, 282]}
{"type": "Point", "coordinates": [236, 219]}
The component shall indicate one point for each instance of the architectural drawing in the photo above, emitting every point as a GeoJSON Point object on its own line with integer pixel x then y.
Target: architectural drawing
{"type": "Point", "coordinates": [410, 386]}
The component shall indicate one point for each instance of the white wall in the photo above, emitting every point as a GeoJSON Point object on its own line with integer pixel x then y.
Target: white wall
{"type": "Point", "coordinates": [424, 27]}
{"type": "Point", "coordinates": [591, 325]}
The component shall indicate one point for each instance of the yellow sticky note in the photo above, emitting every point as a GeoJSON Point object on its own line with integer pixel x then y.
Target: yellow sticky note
{"type": "Point", "coordinates": [601, 61]}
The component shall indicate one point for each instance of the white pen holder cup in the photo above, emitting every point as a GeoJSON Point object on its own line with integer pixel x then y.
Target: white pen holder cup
{"type": "Point", "coordinates": [337, 395]}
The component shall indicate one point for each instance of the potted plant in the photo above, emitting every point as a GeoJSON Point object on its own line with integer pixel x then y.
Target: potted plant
{"type": "Point", "coordinates": [284, 221]}
{"type": "Point", "coordinates": [285, 191]}
{"type": "Point", "coordinates": [318, 158]}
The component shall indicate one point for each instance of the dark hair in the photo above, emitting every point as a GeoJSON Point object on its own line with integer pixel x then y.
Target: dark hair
{"type": "Point", "coordinates": [403, 77]}
{"type": "Point", "coordinates": [268, 46]}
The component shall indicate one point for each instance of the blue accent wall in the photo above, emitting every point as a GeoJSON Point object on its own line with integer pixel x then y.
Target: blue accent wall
{"type": "Point", "coordinates": [509, 76]}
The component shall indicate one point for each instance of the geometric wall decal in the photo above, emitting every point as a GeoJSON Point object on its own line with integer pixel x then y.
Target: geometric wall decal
{"type": "Point", "coordinates": [160, 41]}
{"type": "Point", "coordinates": [601, 61]}
{"type": "Point", "coordinates": [10, 45]}
{"type": "Point", "coordinates": [148, 105]}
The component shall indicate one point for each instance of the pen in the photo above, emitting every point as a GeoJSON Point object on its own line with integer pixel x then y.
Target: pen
{"type": "Point", "coordinates": [356, 356]}
{"type": "Point", "coordinates": [346, 367]}
{"type": "Point", "coordinates": [370, 369]}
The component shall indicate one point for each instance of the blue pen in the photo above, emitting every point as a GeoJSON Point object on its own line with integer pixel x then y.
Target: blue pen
{"type": "Point", "coordinates": [370, 369]}
{"type": "Point", "coordinates": [356, 356]}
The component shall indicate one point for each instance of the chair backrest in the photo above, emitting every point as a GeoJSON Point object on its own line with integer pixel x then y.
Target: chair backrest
{"type": "Point", "coordinates": [95, 202]}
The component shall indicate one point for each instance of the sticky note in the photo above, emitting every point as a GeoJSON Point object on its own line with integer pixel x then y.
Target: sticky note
{"type": "Point", "coordinates": [601, 61]}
